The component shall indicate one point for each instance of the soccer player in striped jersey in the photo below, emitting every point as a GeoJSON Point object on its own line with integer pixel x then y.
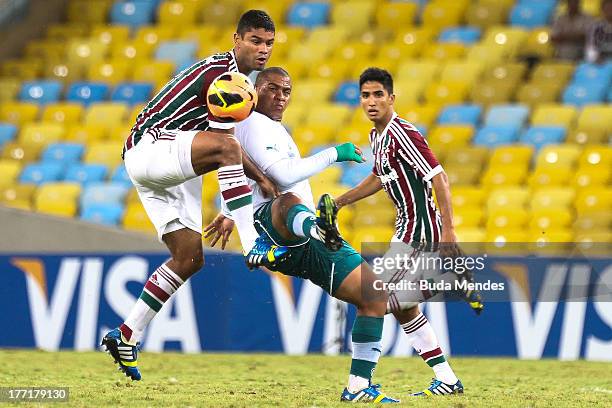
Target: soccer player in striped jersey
{"type": "Point", "coordinates": [174, 141]}
{"type": "Point", "coordinates": [406, 169]}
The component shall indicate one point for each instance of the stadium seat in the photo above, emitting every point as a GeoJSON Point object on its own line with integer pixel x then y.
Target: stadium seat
{"type": "Point", "coordinates": [444, 51]}
{"type": "Point", "coordinates": [87, 92]}
{"type": "Point", "coordinates": [197, 32]}
{"type": "Point", "coordinates": [461, 71]}
{"type": "Point", "coordinates": [121, 176]}
{"type": "Point", "coordinates": [65, 113]}
{"type": "Point", "coordinates": [439, 15]}
{"type": "Point", "coordinates": [503, 176]}
{"type": "Point", "coordinates": [85, 133]}
{"type": "Point", "coordinates": [418, 114]}
{"type": "Point", "coordinates": [508, 39]}
{"type": "Point", "coordinates": [176, 13]}
{"type": "Point", "coordinates": [86, 173]}
{"type": "Point", "coordinates": [552, 197]}
{"type": "Point", "coordinates": [468, 217]}
{"type": "Point", "coordinates": [362, 238]}
{"type": "Point", "coordinates": [549, 177]}
{"type": "Point", "coordinates": [465, 35]}
{"type": "Point", "coordinates": [595, 117]}
{"type": "Point", "coordinates": [308, 15]}
{"type": "Point", "coordinates": [42, 92]}
{"type": "Point", "coordinates": [120, 132]}
{"type": "Point", "coordinates": [539, 136]}
{"type": "Point", "coordinates": [485, 14]}
{"type": "Point", "coordinates": [396, 15]}
{"type": "Point", "coordinates": [591, 177]}
{"type": "Point", "coordinates": [327, 37]}
{"type": "Point", "coordinates": [556, 156]}
{"type": "Point", "coordinates": [448, 137]}
{"type": "Point", "coordinates": [408, 43]}
{"type": "Point", "coordinates": [63, 71]}
{"type": "Point", "coordinates": [532, 14]}
{"type": "Point", "coordinates": [355, 16]}
{"type": "Point", "coordinates": [493, 136]}
{"type": "Point", "coordinates": [18, 113]}
{"type": "Point", "coordinates": [85, 52]}
{"type": "Point", "coordinates": [40, 173]}
{"type": "Point", "coordinates": [506, 219]}
{"type": "Point", "coordinates": [156, 72]}
{"type": "Point", "coordinates": [473, 236]}
{"type": "Point", "coordinates": [109, 72]}
{"type": "Point", "coordinates": [419, 70]}
{"type": "Point", "coordinates": [554, 72]}
{"type": "Point", "coordinates": [105, 214]}
{"type": "Point", "coordinates": [41, 133]}
{"type": "Point", "coordinates": [57, 199]}
{"type": "Point", "coordinates": [460, 114]}
{"type": "Point", "coordinates": [587, 73]}
{"type": "Point", "coordinates": [331, 70]}
{"type": "Point", "coordinates": [596, 155]}
{"type": "Point", "coordinates": [23, 69]}
{"type": "Point", "coordinates": [463, 175]}
{"type": "Point", "coordinates": [446, 92]}
{"type": "Point", "coordinates": [9, 88]}
{"type": "Point", "coordinates": [107, 153]}
{"type": "Point", "coordinates": [276, 9]}
{"type": "Point", "coordinates": [519, 155]}
{"type": "Point", "coordinates": [88, 12]}
{"type": "Point", "coordinates": [595, 221]}
{"type": "Point", "coordinates": [348, 93]}
{"type": "Point", "coordinates": [132, 51]}
{"type": "Point", "coordinates": [553, 115]}
{"type": "Point", "coordinates": [134, 112]}
{"type": "Point", "coordinates": [580, 94]}
{"type": "Point", "coordinates": [135, 219]}
{"type": "Point", "coordinates": [17, 195]}
{"type": "Point", "coordinates": [489, 55]}
{"type": "Point", "coordinates": [513, 73]}
{"type": "Point", "coordinates": [532, 93]}
{"type": "Point", "coordinates": [19, 152]}
{"type": "Point", "coordinates": [491, 93]}
{"type": "Point", "coordinates": [103, 193]}
{"type": "Point", "coordinates": [313, 135]}
{"type": "Point", "coordinates": [587, 136]}
{"type": "Point", "coordinates": [66, 32]}
{"type": "Point", "coordinates": [106, 114]}
{"type": "Point", "coordinates": [352, 51]}
{"type": "Point", "coordinates": [9, 171]}
{"type": "Point", "coordinates": [178, 52]}
{"type": "Point", "coordinates": [507, 115]}
{"type": "Point", "coordinates": [538, 44]}
{"type": "Point", "coordinates": [111, 34]}
{"type": "Point", "coordinates": [132, 93]}
{"type": "Point", "coordinates": [132, 13]}
{"type": "Point", "coordinates": [468, 155]}
{"type": "Point", "coordinates": [513, 197]}
{"type": "Point", "coordinates": [551, 218]}
{"type": "Point", "coordinates": [593, 200]}
{"type": "Point", "coordinates": [467, 196]}
{"type": "Point", "coordinates": [311, 92]}
{"type": "Point", "coordinates": [7, 133]}
{"type": "Point", "coordinates": [65, 153]}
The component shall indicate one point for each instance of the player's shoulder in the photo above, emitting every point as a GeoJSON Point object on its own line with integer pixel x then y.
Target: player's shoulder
{"type": "Point", "coordinates": [405, 128]}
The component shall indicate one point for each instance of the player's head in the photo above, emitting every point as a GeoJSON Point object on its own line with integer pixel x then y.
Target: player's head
{"type": "Point", "coordinates": [376, 94]}
{"type": "Point", "coordinates": [273, 86]}
{"type": "Point", "coordinates": [253, 41]}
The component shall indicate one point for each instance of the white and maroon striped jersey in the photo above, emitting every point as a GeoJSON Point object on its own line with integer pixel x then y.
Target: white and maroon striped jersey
{"type": "Point", "coordinates": [405, 165]}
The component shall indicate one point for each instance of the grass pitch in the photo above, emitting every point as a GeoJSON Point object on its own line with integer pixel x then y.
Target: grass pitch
{"type": "Point", "coordinates": [258, 380]}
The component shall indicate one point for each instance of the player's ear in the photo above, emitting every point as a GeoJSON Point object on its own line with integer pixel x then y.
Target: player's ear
{"type": "Point", "coordinates": [236, 38]}
{"type": "Point", "coordinates": [392, 98]}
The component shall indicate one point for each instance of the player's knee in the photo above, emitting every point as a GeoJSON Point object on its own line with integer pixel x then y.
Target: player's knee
{"type": "Point", "coordinates": [285, 201]}
{"type": "Point", "coordinates": [373, 307]}
{"type": "Point", "coordinates": [190, 262]}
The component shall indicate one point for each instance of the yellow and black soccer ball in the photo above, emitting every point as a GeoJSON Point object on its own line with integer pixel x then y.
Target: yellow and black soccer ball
{"type": "Point", "coordinates": [231, 97]}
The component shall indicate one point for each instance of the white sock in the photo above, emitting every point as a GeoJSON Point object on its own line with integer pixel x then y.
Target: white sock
{"type": "Point", "coordinates": [356, 383]}
{"type": "Point", "coordinates": [424, 340]}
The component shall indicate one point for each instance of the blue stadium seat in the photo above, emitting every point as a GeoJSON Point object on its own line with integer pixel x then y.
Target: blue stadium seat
{"type": "Point", "coordinates": [105, 214]}
{"type": "Point", "coordinates": [584, 93]}
{"type": "Point", "coordinates": [86, 173]}
{"type": "Point", "coordinates": [185, 64]}
{"type": "Point", "coordinates": [7, 133]}
{"type": "Point", "coordinates": [348, 93]}
{"type": "Point", "coordinates": [532, 14]}
{"type": "Point", "coordinates": [588, 73]}
{"type": "Point", "coordinates": [354, 174]}
{"type": "Point", "coordinates": [507, 115]}
{"type": "Point", "coordinates": [178, 52]}
{"type": "Point", "coordinates": [539, 136]}
{"type": "Point", "coordinates": [64, 153]}
{"type": "Point", "coordinates": [41, 91]}
{"type": "Point", "coordinates": [103, 193]}
{"type": "Point", "coordinates": [132, 92]}
{"type": "Point", "coordinates": [87, 92]}
{"type": "Point", "coordinates": [133, 13]}
{"type": "Point", "coordinates": [465, 35]}
{"type": "Point", "coordinates": [120, 175]}
{"type": "Point", "coordinates": [460, 114]}
{"type": "Point", "coordinates": [308, 15]}
{"type": "Point", "coordinates": [609, 98]}
{"type": "Point", "coordinates": [40, 173]}
{"type": "Point", "coordinates": [492, 136]}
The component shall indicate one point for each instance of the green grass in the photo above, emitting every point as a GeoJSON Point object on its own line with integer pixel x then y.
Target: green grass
{"type": "Point", "coordinates": [258, 380]}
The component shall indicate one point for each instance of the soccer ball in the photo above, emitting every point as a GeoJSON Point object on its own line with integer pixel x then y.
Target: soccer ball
{"type": "Point", "coordinates": [231, 97]}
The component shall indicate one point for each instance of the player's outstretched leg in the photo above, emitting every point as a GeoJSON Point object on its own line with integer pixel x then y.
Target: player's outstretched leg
{"type": "Point", "coordinates": [266, 253]}
{"type": "Point", "coordinates": [327, 222]}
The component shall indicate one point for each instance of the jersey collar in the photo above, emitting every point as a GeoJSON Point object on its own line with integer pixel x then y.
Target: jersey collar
{"type": "Point", "coordinates": [388, 124]}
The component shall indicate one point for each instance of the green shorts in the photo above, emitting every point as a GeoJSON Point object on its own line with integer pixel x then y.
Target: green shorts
{"type": "Point", "coordinates": [310, 259]}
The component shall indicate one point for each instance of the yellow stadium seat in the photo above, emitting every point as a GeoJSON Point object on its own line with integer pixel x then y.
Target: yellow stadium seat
{"type": "Point", "coordinates": [414, 37]}
{"type": "Point", "coordinates": [487, 54]}
{"type": "Point", "coordinates": [276, 9]}
{"type": "Point", "coordinates": [423, 71]}
{"type": "Point", "coordinates": [132, 51]}
{"type": "Point", "coordinates": [491, 93]}
{"type": "Point", "coordinates": [153, 35]}
{"type": "Point", "coordinates": [134, 112]}
{"type": "Point", "coordinates": [85, 52]}
{"type": "Point", "coordinates": [444, 51]}
{"type": "Point", "coordinates": [472, 236]}
{"type": "Point", "coordinates": [461, 71]}
{"type": "Point", "coordinates": [120, 133]}
{"type": "Point", "coordinates": [507, 73]}
{"type": "Point", "coordinates": [307, 137]}
{"type": "Point", "coordinates": [294, 115]}
{"type": "Point", "coordinates": [448, 137]}
{"type": "Point", "coordinates": [57, 199]}
{"type": "Point", "coordinates": [85, 133]}
{"type": "Point", "coordinates": [446, 92]}
{"type": "Point", "coordinates": [596, 117]}
{"type": "Point", "coordinates": [468, 155]}
{"type": "Point", "coordinates": [357, 134]}
{"type": "Point", "coordinates": [512, 155]}
{"type": "Point", "coordinates": [222, 13]}
{"type": "Point", "coordinates": [355, 16]}
{"type": "Point", "coordinates": [506, 241]}
{"type": "Point", "coordinates": [284, 39]}
{"type": "Point", "coordinates": [591, 177]}
{"type": "Point", "coordinates": [19, 152]}
{"type": "Point", "coordinates": [109, 35]}
{"type": "Point", "coordinates": [467, 196]}
{"type": "Point", "coordinates": [554, 115]}
{"type": "Point", "coordinates": [330, 176]}
{"type": "Point", "coordinates": [17, 195]}
{"type": "Point", "coordinates": [509, 39]}
{"type": "Point", "coordinates": [176, 13]}
{"type": "Point", "coordinates": [359, 118]}
{"type": "Point", "coordinates": [135, 219]}
{"type": "Point", "coordinates": [41, 133]}
{"type": "Point", "coordinates": [408, 92]}
{"type": "Point", "coordinates": [585, 137]}
{"type": "Point", "coordinates": [197, 33]}
{"type": "Point", "coordinates": [377, 200]}
{"type": "Point", "coordinates": [533, 94]}
{"type": "Point", "coordinates": [398, 51]}
{"type": "Point", "coordinates": [504, 176]}
{"type": "Point", "coordinates": [66, 32]}
{"type": "Point", "coordinates": [62, 71]}
{"type": "Point", "coordinates": [361, 238]}
{"type": "Point", "coordinates": [376, 35]}
{"type": "Point", "coordinates": [308, 53]}
{"type": "Point", "coordinates": [551, 218]}
{"type": "Point", "coordinates": [506, 218]}
{"type": "Point", "coordinates": [106, 113]}
{"type": "Point", "coordinates": [87, 11]}
{"type": "Point", "coordinates": [353, 51]}
{"type": "Point", "coordinates": [538, 44]}
{"type": "Point", "coordinates": [313, 92]}
{"type": "Point", "coordinates": [157, 72]}
{"type": "Point", "coordinates": [25, 69]}
{"type": "Point", "coordinates": [439, 15]}
{"type": "Point", "coordinates": [296, 69]}
{"type": "Point", "coordinates": [107, 153]}
{"type": "Point", "coordinates": [550, 236]}
{"type": "Point", "coordinates": [593, 200]}
{"type": "Point", "coordinates": [9, 88]}
{"type": "Point", "coordinates": [468, 217]}
{"type": "Point", "coordinates": [549, 176]}
{"type": "Point", "coordinates": [9, 171]}
{"type": "Point", "coordinates": [420, 115]}
{"type": "Point", "coordinates": [485, 15]}
{"type": "Point", "coordinates": [328, 37]}
{"type": "Point", "coordinates": [333, 70]}
{"type": "Point", "coordinates": [463, 175]}
{"type": "Point", "coordinates": [66, 113]}
{"type": "Point", "coordinates": [556, 156]}
{"type": "Point", "coordinates": [396, 15]}
{"type": "Point", "coordinates": [18, 112]}
{"type": "Point", "coordinates": [593, 222]}
{"type": "Point", "coordinates": [330, 114]}
{"type": "Point", "coordinates": [507, 197]}
{"type": "Point", "coordinates": [596, 156]}
{"type": "Point", "coordinates": [374, 217]}
{"type": "Point", "coordinates": [600, 238]}
{"type": "Point", "coordinates": [552, 197]}
{"type": "Point", "coordinates": [110, 72]}
{"type": "Point", "coordinates": [557, 72]}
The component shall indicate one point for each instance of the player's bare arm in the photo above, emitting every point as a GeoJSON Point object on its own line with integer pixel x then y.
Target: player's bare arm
{"type": "Point", "coordinates": [448, 239]}
{"type": "Point", "coordinates": [366, 188]}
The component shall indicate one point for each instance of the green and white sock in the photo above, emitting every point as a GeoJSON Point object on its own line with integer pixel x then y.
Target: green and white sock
{"type": "Point", "coordinates": [367, 347]}
{"type": "Point", "coordinates": [302, 222]}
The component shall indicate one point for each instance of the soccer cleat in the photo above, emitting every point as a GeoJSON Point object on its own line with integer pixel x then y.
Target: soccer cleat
{"type": "Point", "coordinates": [371, 394]}
{"type": "Point", "coordinates": [124, 354]}
{"type": "Point", "coordinates": [266, 253]}
{"type": "Point", "coordinates": [327, 223]}
{"type": "Point", "coordinates": [437, 387]}
{"type": "Point", "coordinates": [471, 296]}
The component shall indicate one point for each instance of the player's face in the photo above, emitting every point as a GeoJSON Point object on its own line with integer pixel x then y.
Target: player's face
{"type": "Point", "coordinates": [273, 96]}
{"type": "Point", "coordinates": [253, 49]}
{"type": "Point", "coordinates": [376, 102]}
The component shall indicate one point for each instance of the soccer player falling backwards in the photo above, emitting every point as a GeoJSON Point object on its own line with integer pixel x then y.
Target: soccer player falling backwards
{"type": "Point", "coordinates": [317, 251]}
{"type": "Point", "coordinates": [405, 168]}
{"type": "Point", "coordinates": [174, 141]}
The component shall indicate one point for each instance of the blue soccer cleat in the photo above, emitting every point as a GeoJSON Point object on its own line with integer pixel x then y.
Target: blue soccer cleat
{"type": "Point", "coordinates": [266, 253]}
{"type": "Point", "coordinates": [371, 394]}
{"type": "Point", "coordinates": [437, 387]}
{"type": "Point", "coordinates": [124, 354]}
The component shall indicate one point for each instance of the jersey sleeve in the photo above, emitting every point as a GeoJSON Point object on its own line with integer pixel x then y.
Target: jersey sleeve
{"type": "Point", "coordinates": [210, 75]}
{"type": "Point", "coordinates": [258, 142]}
{"type": "Point", "coordinates": [414, 149]}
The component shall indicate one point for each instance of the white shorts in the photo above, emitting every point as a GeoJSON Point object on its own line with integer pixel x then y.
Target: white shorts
{"type": "Point", "coordinates": [161, 170]}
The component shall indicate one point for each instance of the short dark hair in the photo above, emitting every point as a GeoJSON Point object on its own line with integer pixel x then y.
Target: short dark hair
{"type": "Point", "coordinates": [271, 70]}
{"type": "Point", "coordinates": [377, 75]}
{"type": "Point", "coordinates": [254, 19]}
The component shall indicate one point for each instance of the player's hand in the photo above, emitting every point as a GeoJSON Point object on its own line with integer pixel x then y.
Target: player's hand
{"type": "Point", "coordinates": [220, 227]}
{"type": "Point", "coordinates": [268, 188]}
{"type": "Point", "coordinates": [349, 152]}
{"type": "Point", "coordinates": [448, 245]}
